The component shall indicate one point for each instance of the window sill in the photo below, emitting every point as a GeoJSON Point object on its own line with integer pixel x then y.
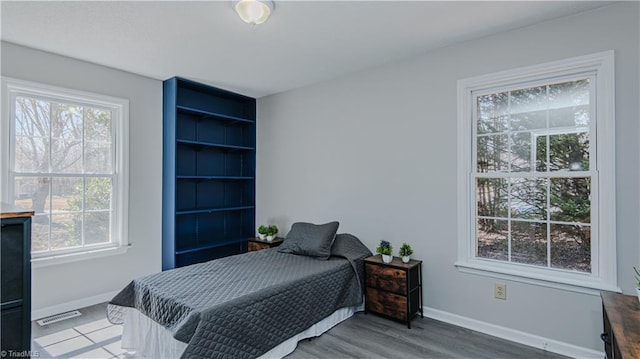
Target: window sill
{"type": "Point", "coordinates": [584, 286]}
{"type": "Point", "coordinates": [76, 257]}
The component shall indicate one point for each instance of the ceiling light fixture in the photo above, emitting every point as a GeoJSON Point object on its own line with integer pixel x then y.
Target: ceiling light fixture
{"type": "Point", "coordinates": [253, 12]}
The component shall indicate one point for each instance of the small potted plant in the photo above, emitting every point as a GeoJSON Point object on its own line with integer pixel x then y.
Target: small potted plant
{"type": "Point", "coordinates": [385, 249]}
{"type": "Point", "coordinates": [637, 276]}
{"type": "Point", "coordinates": [405, 252]}
{"type": "Point", "coordinates": [272, 230]}
{"type": "Point", "coordinates": [262, 232]}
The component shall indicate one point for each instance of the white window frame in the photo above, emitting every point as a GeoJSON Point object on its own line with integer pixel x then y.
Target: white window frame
{"type": "Point", "coordinates": [120, 190]}
{"type": "Point", "coordinates": [604, 269]}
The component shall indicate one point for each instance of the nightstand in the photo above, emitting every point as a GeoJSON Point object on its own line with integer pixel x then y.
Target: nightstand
{"type": "Point", "coordinates": [256, 244]}
{"type": "Point", "coordinates": [393, 290]}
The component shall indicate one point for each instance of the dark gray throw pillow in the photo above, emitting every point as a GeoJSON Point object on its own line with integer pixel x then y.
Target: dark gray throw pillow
{"type": "Point", "coordinates": [310, 239]}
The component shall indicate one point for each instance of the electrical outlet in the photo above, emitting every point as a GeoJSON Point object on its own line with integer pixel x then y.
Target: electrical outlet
{"type": "Point", "coordinates": [500, 291]}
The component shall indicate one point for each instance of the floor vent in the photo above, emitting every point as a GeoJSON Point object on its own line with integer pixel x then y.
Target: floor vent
{"type": "Point", "coordinates": [59, 317]}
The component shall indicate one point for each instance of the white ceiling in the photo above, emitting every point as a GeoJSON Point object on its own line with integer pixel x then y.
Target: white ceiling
{"type": "Point", "coordinates": [304, 42]}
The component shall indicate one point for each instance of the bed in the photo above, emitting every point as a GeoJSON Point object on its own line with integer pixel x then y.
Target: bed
{"type": "Point", "coordinates": [244, 306]}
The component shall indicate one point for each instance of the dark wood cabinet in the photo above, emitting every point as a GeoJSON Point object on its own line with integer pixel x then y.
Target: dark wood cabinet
{"type": "Point", "coordinates": [393, 290]}
{"type": "Point", "coordinates": [15, 288]}
{"type": "Point", "coordinates": [208, 188]}
{"type": "Point", "coordinates": [621, 317]}
{"type": "Point", "coordinates": [256, 244]}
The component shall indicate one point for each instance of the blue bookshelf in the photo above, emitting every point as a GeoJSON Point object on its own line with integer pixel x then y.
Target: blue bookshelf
{"type": "Point", "coordinates": [209, 156]}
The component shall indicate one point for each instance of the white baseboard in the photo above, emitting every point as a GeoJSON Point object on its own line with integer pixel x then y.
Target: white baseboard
{"type": "Point", "coordinates": [516, 336]}
{"type": "Point", "coordinates": [72, 305]}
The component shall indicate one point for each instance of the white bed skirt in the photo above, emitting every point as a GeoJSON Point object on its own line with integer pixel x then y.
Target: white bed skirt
{"type": "Point", "coordinates": [144, 338]}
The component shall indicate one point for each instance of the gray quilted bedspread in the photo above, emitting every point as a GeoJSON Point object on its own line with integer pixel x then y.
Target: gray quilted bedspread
{"type": "Point", "coordinates": [244, 305]}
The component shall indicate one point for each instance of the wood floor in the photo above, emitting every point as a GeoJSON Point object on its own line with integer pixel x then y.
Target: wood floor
{"type": "Point", "coordinates": [91, 336]}
{"type": "Point", "coordinates": [369, 336]}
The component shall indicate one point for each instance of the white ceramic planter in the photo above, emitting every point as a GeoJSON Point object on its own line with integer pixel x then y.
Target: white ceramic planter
{"type": "Point", "coordinates": [387, 258]}
{"type": "Point", "coordinates": [262, 236]}
{"type": "Point", "coordinates": [638, 293]}
{"type": "Point", "coordinates": [406, 259]}
{"type": "Point", "coordinates": [270, 238]}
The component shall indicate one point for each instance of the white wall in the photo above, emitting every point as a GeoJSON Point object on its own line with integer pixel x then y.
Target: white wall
{"type": "Point", "coordinates": [377, 151]}
{"type": "Point", "coordinates": [83, 282]}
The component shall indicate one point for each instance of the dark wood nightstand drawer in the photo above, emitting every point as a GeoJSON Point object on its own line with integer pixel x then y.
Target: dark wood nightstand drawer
{"type": "Point", "coordinates": [256, 244]}
{"type": "Point", "coordinates": [387, 304]}
{"type": "Point", "coordinates": [387, 278]}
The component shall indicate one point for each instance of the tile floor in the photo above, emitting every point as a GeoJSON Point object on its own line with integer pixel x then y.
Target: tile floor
{"type": "Point", "coordinates": [89, 336]}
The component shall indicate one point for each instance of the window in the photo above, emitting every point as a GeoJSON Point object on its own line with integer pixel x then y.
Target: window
{"type": "Point", "coordinates": [536, 188]}
{"type": "Point", "coordinates": [66, 162]}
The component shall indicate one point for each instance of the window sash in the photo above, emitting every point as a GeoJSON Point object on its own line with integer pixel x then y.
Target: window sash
{"type": "Point", "coordinates": [49, 212]}
{"type": "Point", "coordinates": [512, 87]}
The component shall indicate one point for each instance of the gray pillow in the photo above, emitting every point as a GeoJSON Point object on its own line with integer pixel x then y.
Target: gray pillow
{"type": "Point", "coordinates": [310, 239]}
{"type": "Point", "coordinates": [346, 243]}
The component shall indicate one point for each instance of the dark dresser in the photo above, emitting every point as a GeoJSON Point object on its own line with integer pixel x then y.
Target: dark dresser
{"type": "Point", "coordinates": [621, 317]}
{"type": "Point", "coordinates": [15, 291]}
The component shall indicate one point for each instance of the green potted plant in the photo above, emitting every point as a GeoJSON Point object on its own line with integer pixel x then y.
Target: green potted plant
{"type": "Point", "coordinates": [405, 252]}
{"type": "Point", "coordinates": [637, 276]}
{"type": "Point", "coordinates": [272, 230]}
{"type": "Point", "coordinates": [262, 232]}
{"type": "Point", "coordinates": [385, 249]}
